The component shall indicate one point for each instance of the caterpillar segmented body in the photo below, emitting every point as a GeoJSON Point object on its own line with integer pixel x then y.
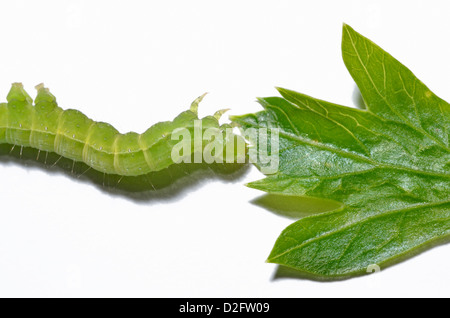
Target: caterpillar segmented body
{"type": "Point", "coordinates": [71, 134]}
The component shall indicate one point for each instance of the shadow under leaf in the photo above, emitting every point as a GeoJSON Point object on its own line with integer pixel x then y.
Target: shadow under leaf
{"type": "Point", "coordinates": [358, 99]}
{"type": "Point", "coordinates": [294, 207]}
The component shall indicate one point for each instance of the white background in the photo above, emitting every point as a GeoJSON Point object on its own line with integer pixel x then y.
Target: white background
{"type": "Point", "coordinates": [134, 63]}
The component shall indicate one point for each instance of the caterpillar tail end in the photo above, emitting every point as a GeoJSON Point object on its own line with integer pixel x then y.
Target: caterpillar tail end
{"type": "Point", "coordinates": [40, 86]}
{"type": "Point", "coordinates": [43, 94]}
{"type": "Point", "coordinates": [194, 105]}
{"type": "Point", "coordinates": [17, 93]}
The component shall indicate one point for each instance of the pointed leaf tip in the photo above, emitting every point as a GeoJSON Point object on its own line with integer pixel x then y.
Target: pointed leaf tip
{"type": "Point", "coordinates": [194, 105]}
{"type": "Point", "coordinates": [218, 114]}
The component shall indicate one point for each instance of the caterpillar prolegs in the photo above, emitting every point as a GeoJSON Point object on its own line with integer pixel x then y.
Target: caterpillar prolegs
{"type": "Point", "coordinates": [72, 135]}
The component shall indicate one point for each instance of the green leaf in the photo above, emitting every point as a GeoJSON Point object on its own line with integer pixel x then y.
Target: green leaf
{"type": "Point", "coordinates": [388, 165]}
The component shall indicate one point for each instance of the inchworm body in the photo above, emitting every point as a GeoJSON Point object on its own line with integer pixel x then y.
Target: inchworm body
{"type": "Point", "coordinates": [70, 134]}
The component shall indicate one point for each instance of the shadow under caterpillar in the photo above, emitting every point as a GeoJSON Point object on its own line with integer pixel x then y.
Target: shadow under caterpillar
{"type": "Point", "coordinates": [69, 142]}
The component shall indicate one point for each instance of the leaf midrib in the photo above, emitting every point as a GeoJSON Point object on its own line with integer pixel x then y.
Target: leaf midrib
{"type": "Point", "coordinates": [361, 221]}
{"type": "Point", "coordinates": [358, 157]}
{"type": "Point", "coordinates": [336, 122]}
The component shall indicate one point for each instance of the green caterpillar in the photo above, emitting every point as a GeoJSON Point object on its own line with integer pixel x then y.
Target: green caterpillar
{"type": "Point", "coordinates": [70, 134]}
